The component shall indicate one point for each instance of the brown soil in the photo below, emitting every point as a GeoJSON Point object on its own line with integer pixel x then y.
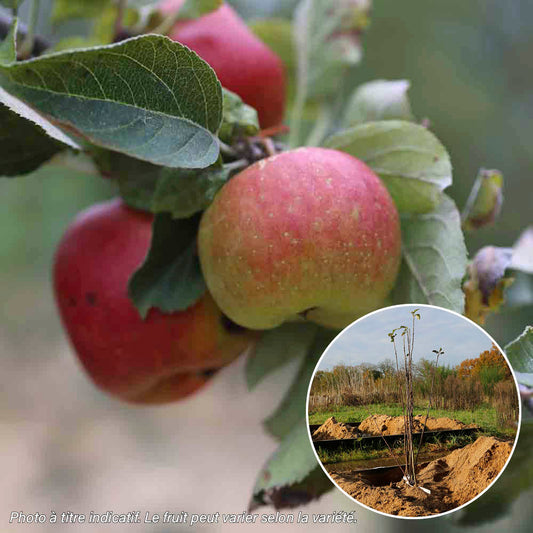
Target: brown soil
{"type": "Point", "coordinates": [453, 480]}
{"type": "Point", "coordinates": [394, 425]}
{"type": "Point", "coordinates": [331, 429]}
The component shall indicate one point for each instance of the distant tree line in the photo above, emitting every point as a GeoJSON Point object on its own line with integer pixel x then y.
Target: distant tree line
{"type": "Point", "coordinates": [483, 379]}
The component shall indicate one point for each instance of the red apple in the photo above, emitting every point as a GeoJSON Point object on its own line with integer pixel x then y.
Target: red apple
{"type": "Point", "coordinates": [242, 62]}
{"type": "Point", "coordinates": [162, 358]}
{"type": "Point", "coordinates": [311, 232]}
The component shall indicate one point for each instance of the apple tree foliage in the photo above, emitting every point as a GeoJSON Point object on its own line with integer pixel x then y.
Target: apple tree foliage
{"type": "Point", "coordinates": [152, 116]}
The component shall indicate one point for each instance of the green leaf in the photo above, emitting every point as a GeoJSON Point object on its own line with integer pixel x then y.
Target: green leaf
{"type": "Point", "coordinates": [434, 258]}
{"type": "Point", "coordinates": [238, 118]}
{"type": "Point", "coordinates": [484, 203]}
{"type": "Point", "coordinates": [291, 411]}
{"type": "Point", "coordinates": [520, 352]}
{"type": "Point", "coordinates": [327, 37]}
{"type": "Point", "coordinates": [138, 189]}
{"type": "Point", "coordinates": [11, 4]}
{"type": "Point", "coordinates": [26, 112]}
{"type": "Point", "coordinates": [276, 348]}
{"type": "Point", "coordinates": [186, 192]}
{"type": "Point", "coordinates": [68, 9]}
{"type": "Point", "coordinates": [24, 147]}
{"type": "Point", "coordinates": [136, 179]}
{"type": "Point", "coordinates": [378, 100]}
{"type": "Point", "coordinates": [26, 139]}
{"type": "Point", "coordinates": [170, 278]}
{"type": "Point", "coordinates": [292, 475]}
{"type": "Point", "coordinates": [8, 47]}
{"type": "Point", "coordinates": [148, 97]}
{"type": "Point", "coordinates": [410, 160]}
{"type": "Point", "coordinates": [523, 252]}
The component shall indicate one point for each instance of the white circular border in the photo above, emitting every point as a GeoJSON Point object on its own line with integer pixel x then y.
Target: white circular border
{"type": "Point", "coordinates": [413, 306]}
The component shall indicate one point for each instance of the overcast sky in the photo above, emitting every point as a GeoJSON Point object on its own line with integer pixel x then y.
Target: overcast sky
{"type": "Point", "coordinates": [367, 340]}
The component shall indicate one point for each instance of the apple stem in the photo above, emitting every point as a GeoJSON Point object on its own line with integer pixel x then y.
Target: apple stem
{"type": "Point", "coordinates": [251, 149]}
{"type": "Point", "coordinates": [227, 150]}
{"type": "Point", "coordinates": [270, 148]}
{"type": "Point", "coordinates": [237, 165]}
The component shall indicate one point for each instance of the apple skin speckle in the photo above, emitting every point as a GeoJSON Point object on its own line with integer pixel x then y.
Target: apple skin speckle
{"type": "Point", "coordinates": [337, 250]}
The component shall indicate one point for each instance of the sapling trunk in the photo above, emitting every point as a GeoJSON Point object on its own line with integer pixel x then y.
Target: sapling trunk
{"type": "Point", "coordinates": [407, 395]}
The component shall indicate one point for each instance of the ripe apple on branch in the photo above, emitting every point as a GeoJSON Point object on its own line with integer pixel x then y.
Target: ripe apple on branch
{"type": "Point", "coordinates": [309, 233]}
{"type": "Point", "coordinates": [230, 232]}
{"type": "Point", "coordinates": [242, 62]}
{"type": "Point", "coordinates": [163, 358]}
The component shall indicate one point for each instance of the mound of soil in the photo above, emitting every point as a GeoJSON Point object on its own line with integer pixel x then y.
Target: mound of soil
{"type": "Point", "coordinates": [444, 423]}
{"type": "Point", "coordinates": [385, 425]}
{"type": "Point", "coordinates": [394, 425]}
{"type": "Point", "coordinates": [331, 429]}
{"type": "Point", "coordinates": [453, 480]}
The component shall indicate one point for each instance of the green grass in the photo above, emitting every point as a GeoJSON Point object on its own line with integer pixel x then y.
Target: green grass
{"type": "Point", "coordinates": [365, 454]}
{"type": "Point", "coordinates": [331, 456]}
{"type": "Point", "coordinates": [484, 416]}
{"type": "Point", "coordinates": [458, 441]}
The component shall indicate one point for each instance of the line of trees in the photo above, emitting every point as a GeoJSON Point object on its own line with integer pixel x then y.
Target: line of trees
{"type": "Point", "coordinates": [484, 379]}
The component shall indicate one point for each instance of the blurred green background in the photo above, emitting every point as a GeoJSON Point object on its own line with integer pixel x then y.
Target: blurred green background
{"type": "Point", "coordinates": [469, 62]}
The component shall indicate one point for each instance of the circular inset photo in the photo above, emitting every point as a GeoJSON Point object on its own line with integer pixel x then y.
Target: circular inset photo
{"type": "Point", "coordinates": [413, 411]}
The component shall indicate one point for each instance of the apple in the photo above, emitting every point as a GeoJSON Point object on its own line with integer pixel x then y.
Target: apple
{"type": "Point", "coordinates": [162, 358]}
{"type": "Point", "coordinates": [242, 62]}
{"type": "Point", "coordinates": [309, 233]}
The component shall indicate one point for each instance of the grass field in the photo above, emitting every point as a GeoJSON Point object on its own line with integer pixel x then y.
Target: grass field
{"type": "Point", "coordinates": [362, 454]}
{"type": "Point", "coordinates": [484, 416]}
